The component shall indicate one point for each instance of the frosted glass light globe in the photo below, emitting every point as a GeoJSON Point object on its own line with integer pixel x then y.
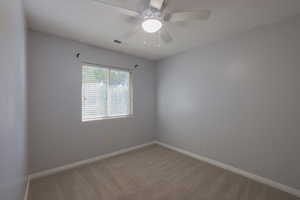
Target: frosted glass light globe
{"type": "Point", "coordinates": [151, 25]}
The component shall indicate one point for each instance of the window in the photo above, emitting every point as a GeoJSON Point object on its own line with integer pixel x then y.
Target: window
{"type": "Point", "coordinates": [106, 92]}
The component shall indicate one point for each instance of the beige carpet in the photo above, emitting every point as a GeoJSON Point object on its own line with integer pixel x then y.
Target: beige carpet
{"type": "Point", "coordinates": [151, 173]}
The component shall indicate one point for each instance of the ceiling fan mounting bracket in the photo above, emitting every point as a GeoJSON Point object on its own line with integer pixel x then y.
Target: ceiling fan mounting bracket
{"type": "Point", "coordinates": [157, 4]}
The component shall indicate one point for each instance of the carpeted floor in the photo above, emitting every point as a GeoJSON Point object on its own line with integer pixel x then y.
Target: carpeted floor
{"type": "Point", "coordinates": [151, 173]}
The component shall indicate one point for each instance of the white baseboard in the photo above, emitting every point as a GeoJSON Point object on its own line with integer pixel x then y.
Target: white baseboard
{"type": "Point", "coordinates": [27, 188]}
{"type": "Point", "coordinates": [235, 170]}
{"type": "Point", "coordinates": [84, 162]}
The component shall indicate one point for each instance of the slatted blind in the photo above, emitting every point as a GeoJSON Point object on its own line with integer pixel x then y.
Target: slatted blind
{"type": "Point", "coordinates": [106, 92]}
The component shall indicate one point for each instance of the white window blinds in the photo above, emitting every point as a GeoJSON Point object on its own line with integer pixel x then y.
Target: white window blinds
{"type": "Point", "coordinates": [106, 92]}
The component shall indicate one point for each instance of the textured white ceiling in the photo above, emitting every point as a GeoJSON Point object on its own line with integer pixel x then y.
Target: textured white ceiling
{"type": "Point", "coordinates": [95, 24]}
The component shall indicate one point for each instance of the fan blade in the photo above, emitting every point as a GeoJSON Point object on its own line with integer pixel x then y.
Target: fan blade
{"type": "Point", "coordinates": [124, 11]}
{"type": "Point", "coordinates": [130, 33]}
{"type": "Point", "coordinates": [158, 4]}
{"type": "Point", "coordinates": [165, 36]}
{"type": "Point", "coordinates": [132, 20]}
{"type": "Point", "coordinates": [188, 16]}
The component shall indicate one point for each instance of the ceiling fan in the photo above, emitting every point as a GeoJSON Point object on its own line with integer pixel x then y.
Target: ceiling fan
{"type": "Point", "coordinates": [155, 17]}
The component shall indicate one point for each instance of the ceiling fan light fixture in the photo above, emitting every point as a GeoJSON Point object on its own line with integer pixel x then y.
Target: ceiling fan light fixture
{"type": "Point", "coordinates": [151, 25]}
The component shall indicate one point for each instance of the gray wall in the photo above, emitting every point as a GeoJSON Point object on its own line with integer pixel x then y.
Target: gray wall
{"type": "Point", "coordinates": [13, 152]}
{"type": "Point", "coordinates": [237, 101]}
{"type": "Point", "coordinates": [56, 134]}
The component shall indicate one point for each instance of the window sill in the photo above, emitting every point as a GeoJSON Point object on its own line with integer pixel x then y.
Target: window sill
{"type": "Point", "coordinates": [105, 118]}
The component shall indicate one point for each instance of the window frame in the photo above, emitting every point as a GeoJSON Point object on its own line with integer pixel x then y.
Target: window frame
{"type": "Point", "coordinates": [130, 114]}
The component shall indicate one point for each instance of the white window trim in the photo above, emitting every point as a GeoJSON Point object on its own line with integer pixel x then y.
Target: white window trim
{"type": "Point", "coordinates": [130, 115]}
{"type": "Point", "coordinates": [105, 118]}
